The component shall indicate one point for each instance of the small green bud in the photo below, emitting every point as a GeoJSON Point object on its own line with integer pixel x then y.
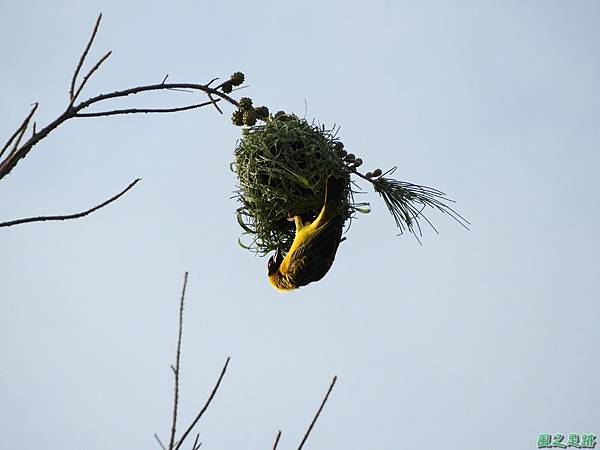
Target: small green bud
{"type": "Point", "coordinates": [377, 173]}
{"type": "Point", "coordinates": [227, 87]}
{"type": "Point", "coordinates": [262, 112]}
{"type": "Point", "coordinates": [358, 162]}
{"type": "Point", "coordinates": [249, 117]}
{"type": "Point", "coordinates": [369, 174]}
{"type": "Point", "coordinates": [350, 157]}
{"type": "Point", "coordinates": [280, 114]}
{"type": "Point", "coordinates": [237, 78]}
{"type": "Point", "coordinates": [341, 153]}
{"type": "Point", "coordinates": [238, 118]}
{"type": "Point", "coordinates": [245, 103]}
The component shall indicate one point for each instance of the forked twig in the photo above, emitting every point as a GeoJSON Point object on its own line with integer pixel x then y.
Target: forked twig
{"type": "Point", "coordinates": [82, 58]}
{"type": "Point", "coordinates": [69, 216]}
{"type": "Point", "coordinates": [88, 76]}
{"type": "Point", "coordinates": [20, 130]}
{"type": "Point", "coordinates": [197, 444]}
{"type": "Point", "coordinates": [174, 443]}
{"type": "Point", "coordinates": [204, 408]}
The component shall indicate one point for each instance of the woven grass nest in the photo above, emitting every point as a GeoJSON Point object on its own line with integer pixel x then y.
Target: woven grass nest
{"type": "Point", "coordinates": [282, 166]}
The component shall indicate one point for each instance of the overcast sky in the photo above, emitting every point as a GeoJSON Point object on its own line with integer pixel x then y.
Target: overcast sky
{"type": "Point", "coordinates": [478, 339]}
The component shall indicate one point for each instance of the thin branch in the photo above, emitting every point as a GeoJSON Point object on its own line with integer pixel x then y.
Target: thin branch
{"type": "Point", "coordinates": [20, 129]}
{"type": "Point", "coordinates": [277, 440]}
{"type": "Point", "coordinates": [145, 111]}
{"type": "Point", "coordinates": [214, 102]}
{"type": "Point", "coordinates": [312, 424]}
{"type": "Point", "coordinates": [204, 408]}
{"type": "Point", "coordinates": [83, 56]}
{"type": "Point", "coordinates": [159, 441]}
{"type": "Point", "coordinates": [155, 87]}
{"type": "Point", "coordinates": [197, 444]}
{"type": "Point", "coordinates": [69, 216]}
{"type": "Point", "coordinates": [177, 361]}
{"type": "Point", "coordinates": [89, 74]}
{"type": "Point", "coordinates": [74, 110]}
{"type": "Point", "coordinates": [20, 151]}
{"type": "Point", "coordinates": [19, 137]}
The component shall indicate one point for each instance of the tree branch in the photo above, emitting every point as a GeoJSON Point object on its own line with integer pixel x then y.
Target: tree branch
{"type": "Point", "coordinates": [277, 440]}
{"type": "Point", "coordinates": [89, 74]}
{"type": "Point", "coordinates": [197, 444]}
{"type": "Point", "coordinates": [69, 216]}
{"type": "Point", "coordinates": [162, 446]}
{"type": "Point", "coordinates": [204, 408]}
{"type": "Point", "coordinates": [82, 58]}
{"type": "Point", "coordinates": [148, 110]}
{"type": "Point", "coordinates": [312, 424]}
{"type": "Point", "coordinates": [75, 111]}
{"type": "Point", "coordinates": [177, 361]}
{"type": "Point", "coordinates": [19, 130]}
{"type": "Point", "coordinates": [20, 151]}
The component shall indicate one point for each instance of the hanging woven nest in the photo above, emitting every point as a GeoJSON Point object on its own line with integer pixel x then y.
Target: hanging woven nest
{"type": "Point", "coordinates": [282, 168]}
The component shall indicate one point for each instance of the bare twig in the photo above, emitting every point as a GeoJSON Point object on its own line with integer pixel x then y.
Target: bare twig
{"type": "Point", "coordinates": [147, 110]}
{"type": "Point", "coordinates": [177, 361]}
{"type": "Point", "coordinates": [214, 102]}
{"type": "Point", "coordinates": [82, 58]}
{"type": "Point", "coordinates": [154, 87]}
{"type": "Point", "coordinates": [19, 130]}
{"type": "Point", "coordinates": [277, 440]}
{"type": "Point", "coordinates": [69, 216]}
{"type": "Point", "coordinates": [159, 442]}
{"type": "Point", "coordinates": [19, 137]}
{"type": "Point", "coordinates": [312, 424]}
{"type": "Point", "coordinates": [197, 444]}
{"type": "Point", "coordinates": [89, 74]}
{"type": "Point", "coordinates": [204, 408]}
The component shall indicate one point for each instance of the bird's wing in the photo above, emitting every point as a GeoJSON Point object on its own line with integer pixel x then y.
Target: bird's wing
{"type": "Point", "coordinates": [314, 257]}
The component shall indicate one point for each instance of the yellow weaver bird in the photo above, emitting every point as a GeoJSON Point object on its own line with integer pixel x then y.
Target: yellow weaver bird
{"type": "Point", "coordinates": [315, 244]}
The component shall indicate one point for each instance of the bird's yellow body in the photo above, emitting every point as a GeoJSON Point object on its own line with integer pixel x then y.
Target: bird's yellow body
{"type": "Point", "coordinates": [315, 244]}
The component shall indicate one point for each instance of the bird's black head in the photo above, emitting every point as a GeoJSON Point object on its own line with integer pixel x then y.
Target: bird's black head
{"type": "Point", "coordinates": [274, 262]}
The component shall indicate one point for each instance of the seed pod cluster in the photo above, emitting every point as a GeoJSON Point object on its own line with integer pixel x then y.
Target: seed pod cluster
{"type": "Point", "coordinates": [238, 118]}
{"type": "Point", "coordinates": [349, 159]}
{"type": "Point", "coordinates": [236, 79]}
{"type": "Point", "coordinates": [246, 113]}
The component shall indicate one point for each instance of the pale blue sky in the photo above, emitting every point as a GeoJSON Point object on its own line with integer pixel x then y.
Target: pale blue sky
{"type": "Point", "coordinates": [479, 339]}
